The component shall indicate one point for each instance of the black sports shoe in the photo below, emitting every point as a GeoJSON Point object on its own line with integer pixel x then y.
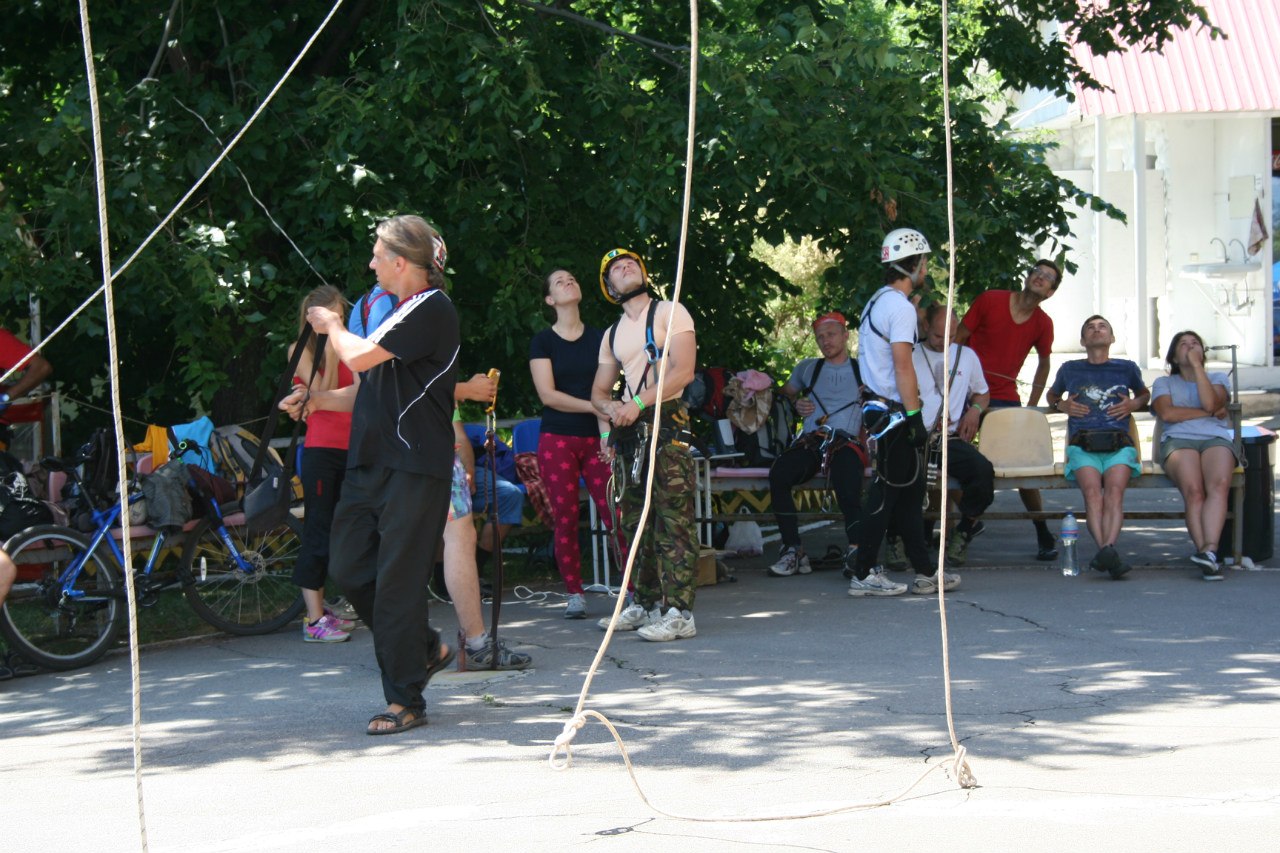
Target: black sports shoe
{"type": "Point", "coordinates": [1108, 560]}
{"type": "Point", "coordinates": [1208, 563]}
{"type": "Point", "coordinates": [1047, 553]}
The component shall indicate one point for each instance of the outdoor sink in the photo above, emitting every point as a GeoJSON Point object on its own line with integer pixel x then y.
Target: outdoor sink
{"type": "Point", "coordinates": [1220, 270]}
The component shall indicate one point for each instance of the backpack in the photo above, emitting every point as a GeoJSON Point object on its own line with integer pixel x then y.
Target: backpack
{"type": "Point", "coordinates": [767, 443]}
{"type": "Point", "coordinates": [100, 473]}
{"type": "Point", "coordinates": [19, 509]}
{"type": "Point", "coordinates": [705, 394]}
{"type": "Point", "coordinates": [233, 449]}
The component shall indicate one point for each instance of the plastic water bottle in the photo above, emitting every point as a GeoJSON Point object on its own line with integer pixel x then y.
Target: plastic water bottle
{"type": "Point", "coordinates": [1070, 533]}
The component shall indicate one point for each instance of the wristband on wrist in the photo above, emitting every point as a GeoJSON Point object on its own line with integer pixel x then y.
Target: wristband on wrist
{"type": "Point", "coordinates": [605, 434]}
{"type": "Point", "coordinates": [976, 406]}
{"type": "Point", "coordinates": [916, 412]}
{"type": "Point", "coordinates": [639, 403]}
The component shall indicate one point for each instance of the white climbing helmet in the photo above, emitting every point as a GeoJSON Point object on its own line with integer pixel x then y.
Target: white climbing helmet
{"type": "Point", "coordinates": [902, 243]}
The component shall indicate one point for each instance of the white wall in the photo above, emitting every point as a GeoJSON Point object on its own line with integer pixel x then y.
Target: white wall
{"type": "Point", "coordinates": [1118, 300]}
{"type": "Point", "coordinates": [1195, 159]}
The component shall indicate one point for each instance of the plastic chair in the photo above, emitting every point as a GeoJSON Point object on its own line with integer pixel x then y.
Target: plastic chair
{"type": "Point", "coordinates": [524, 436]}
{"type": "Point", "coordinates": [1018, 442]}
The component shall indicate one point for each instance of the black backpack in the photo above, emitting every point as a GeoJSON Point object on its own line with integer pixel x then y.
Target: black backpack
{"type": "Point", "coordinates": [19, 509]}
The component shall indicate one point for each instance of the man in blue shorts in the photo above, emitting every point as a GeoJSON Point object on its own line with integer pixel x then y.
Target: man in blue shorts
{"type": "Point", "coordinates": [1098, 394]}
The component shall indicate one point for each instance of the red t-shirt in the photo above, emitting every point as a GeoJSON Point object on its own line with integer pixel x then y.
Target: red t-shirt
{"type": "Point", "coordinates": [331, 429]}
{"type": "Point", "coordinates": [13, 351]}
{"type": "Point", "coordinates": [1001, 344]}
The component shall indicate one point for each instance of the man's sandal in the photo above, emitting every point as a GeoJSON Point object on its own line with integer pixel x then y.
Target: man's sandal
{"type": "Point", "coordinates": [447, 654]}
{"type": "Point", "coordinates": [400, 724]}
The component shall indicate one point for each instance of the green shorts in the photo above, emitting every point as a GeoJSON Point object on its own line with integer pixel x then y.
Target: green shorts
{"type": "Point", "coordinates": [1078, 457]}
{"type": "Point", "coordinates": [1199, 445]}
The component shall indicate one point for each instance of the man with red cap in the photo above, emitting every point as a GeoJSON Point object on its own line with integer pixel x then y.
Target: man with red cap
{"type": "Point", "coordinates": [828, 393]}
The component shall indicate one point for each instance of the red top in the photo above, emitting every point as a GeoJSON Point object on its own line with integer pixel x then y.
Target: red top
{"type": "Point", "coordinates": [13, 351]}
{"type": "Point", "coordinates": [1001, 344]}
{"type": "Point", "coordinates": [331, 429]}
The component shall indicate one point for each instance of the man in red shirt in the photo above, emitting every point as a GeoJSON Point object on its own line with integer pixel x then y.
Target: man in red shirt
{"type": "Point", "coordinates": [34, 371]}
{"type": "Point", "coordinates": [1002, 327]}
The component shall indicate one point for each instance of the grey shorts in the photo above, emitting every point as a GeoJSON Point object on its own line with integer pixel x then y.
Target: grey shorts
{"type": "Point", "coordinates": [1199, 445]}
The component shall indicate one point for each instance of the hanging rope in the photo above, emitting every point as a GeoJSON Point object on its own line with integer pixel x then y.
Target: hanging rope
{"type": "Point", "coordinates": [100, 181]}
{"type": "Point", "coordinates": [959, 765]}
{"type": "Point", "coordinates": [182, 201]}
{"type": "Point", "coordinates": [963, 774]}
{"type": "Point", "coordinates": [106, 290]}
{"type": "Point", "coordinates": [578, 720]}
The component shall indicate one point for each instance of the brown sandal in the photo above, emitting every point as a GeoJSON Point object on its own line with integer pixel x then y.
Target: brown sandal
{"type": "Point", "coordinates": [416, 718]}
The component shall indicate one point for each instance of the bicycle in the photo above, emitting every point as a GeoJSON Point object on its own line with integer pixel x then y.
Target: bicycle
{"type": "Point", "coordinates": [67, 607]}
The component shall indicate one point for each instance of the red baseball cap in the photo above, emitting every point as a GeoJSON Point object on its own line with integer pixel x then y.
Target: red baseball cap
{"type": "Point", "coordinates": [832, 316]}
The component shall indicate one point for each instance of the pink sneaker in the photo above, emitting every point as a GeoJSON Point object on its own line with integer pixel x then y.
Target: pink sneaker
{"type": "Point", "coordinates": [325, 630]}
{"type": "Point", "coordinates": [342, 624]}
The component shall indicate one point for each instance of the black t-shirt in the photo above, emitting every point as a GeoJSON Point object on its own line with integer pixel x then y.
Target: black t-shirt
{"type": "Point", "coordinates": [403, 416]}
{"type": "Point", "coordinates": [573, 368]}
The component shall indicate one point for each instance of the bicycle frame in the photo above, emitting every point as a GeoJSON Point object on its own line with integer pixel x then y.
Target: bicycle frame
{"type": "Point", "coordinates": [105, 520]}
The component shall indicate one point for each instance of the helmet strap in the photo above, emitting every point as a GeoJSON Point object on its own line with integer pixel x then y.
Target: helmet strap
{"type": "Point", "coordinates": [914, 275]}
{"type": "Point", "coordinates": [633, 294]}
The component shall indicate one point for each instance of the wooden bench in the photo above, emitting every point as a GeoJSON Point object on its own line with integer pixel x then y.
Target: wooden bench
{"type": "Point", "coordinates": [1019, 443]}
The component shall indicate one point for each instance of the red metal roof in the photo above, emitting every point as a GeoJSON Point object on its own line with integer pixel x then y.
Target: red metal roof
{"type": "Point", "coordinates": [1194, 73]}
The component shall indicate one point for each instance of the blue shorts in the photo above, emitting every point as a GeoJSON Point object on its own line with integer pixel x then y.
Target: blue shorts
{"type": "Point", "coordinates": [510, 497]}
{"type": "Point", "coordinates": [1078, 457]}
{"type": "Point", "coordinates": [459, 492]}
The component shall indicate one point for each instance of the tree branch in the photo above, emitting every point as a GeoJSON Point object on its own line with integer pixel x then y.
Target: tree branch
{"type": "Point", "coordinates": [164, 40]}
{"type": "Point", "coordinates": [605, 28]}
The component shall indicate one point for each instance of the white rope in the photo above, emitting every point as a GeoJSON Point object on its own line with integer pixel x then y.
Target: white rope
{"type": "Point", "coordinates": [108, 278]}
{"type": "Point", "coordinates": [182, 201]}
{"type": "Point", "coordinates": [579, 720]}
{"type": "Point", "coordinates": [959, 767]}
{"type": "Point", "coordinates": [963, 774]}
{"type": "Point", "coordinates": [100, 181]}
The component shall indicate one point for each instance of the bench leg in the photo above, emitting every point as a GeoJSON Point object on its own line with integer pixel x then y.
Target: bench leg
{"type": "Point", "coordinates": [1237, 524]}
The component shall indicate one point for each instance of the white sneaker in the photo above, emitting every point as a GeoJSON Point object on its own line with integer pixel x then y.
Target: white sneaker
{"type": "Point", "coordinates": [928, 584]}
{"type": "Point", "coordinates": [790, 563]}
{"type": "Point", "coordinates": [875, 583]}
{"type": "Point", "coordinates": [676, 625]}
{"type": "Point", "coordinates": [633, 616]}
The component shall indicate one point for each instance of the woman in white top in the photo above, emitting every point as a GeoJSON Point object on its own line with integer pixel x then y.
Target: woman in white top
{"type": "Point", "coordinates": [1196, 448]}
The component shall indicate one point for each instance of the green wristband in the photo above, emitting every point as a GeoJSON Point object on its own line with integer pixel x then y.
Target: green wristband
{"type": "Point", "coordinates": [639, 403]}
{"type": "Point", "coordinates": [916, 412]}
{"type": "Point", "coordinates": [604, 434]}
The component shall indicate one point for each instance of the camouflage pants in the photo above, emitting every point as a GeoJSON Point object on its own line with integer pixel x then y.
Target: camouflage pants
{"type": "Point", "coordinates": [667, 559]}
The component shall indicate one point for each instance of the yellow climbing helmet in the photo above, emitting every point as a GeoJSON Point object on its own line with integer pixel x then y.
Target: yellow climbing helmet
{"type": "Point", "coordinates": [611, 256]}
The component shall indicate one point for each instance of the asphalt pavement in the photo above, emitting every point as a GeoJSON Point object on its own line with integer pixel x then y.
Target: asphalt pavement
{"type": "Point", "coordinates": [1141, 714]}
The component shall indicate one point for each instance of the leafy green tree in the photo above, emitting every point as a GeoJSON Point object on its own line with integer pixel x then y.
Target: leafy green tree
{"type": "Point", "coordinates": [532, 134]}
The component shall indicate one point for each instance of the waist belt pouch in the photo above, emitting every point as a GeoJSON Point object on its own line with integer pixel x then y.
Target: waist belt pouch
{"type": "Point", "coordinates": [1102, 440]}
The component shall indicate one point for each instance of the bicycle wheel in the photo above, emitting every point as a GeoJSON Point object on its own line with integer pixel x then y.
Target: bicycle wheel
{"type": "Point", "coordinates": [45, 626]}
{"type": "Point", "coordinates": [258, 601]}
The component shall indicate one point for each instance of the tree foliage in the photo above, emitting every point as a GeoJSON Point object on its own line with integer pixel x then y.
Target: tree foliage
{"type": "Point", "coordinates": [532, 135]}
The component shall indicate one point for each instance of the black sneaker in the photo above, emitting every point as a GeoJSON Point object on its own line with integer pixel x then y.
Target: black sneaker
{"type": "Point", "coordinates": [1108, 560]}
{"type": "Point", "coordinates": [1208, 563]}
{"type": "Point", "coordinates": [1047, 554]}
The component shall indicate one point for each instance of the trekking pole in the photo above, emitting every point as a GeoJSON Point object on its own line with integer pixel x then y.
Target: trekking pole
{"type": "Point", "coordinates": [491, 451]}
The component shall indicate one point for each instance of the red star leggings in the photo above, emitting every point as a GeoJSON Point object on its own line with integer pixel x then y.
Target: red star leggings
{"type": "Point", "coordinates": [562, 460]}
